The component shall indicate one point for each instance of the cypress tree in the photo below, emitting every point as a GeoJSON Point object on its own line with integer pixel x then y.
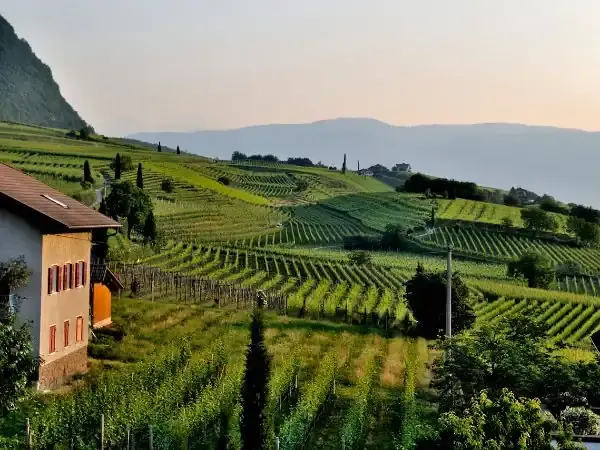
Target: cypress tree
{"type": "Point", "coordinates": [150, 230]}
{"type": "Point", "coordinates": [87, 173]}
{"type": "Point", "coordinates": [344, 164]}
{"type": "Point", "coordinates": [159, 147]}
{"type": "Point", "coordinates": [253, 421]}
{"type": "Point", "coordinates": [118, 167]}
{"type": "Point", "coordinates": [359, 165]}
{"type": "Point", "coordinates": [140, 177]}
{"type": "Point", "coordinates": [178, 151]}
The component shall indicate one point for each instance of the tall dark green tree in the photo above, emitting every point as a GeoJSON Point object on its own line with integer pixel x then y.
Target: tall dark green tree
{"type": "Point", "coordinates": [140, 177]}
{"type": "Point", "coordinates": [159, 147]}
{"type": "Point", "coordinates": [537, 268]}
{"type": "Point", "coordinates": [87, 173]}
{"type": "Point", "coordinates": [253, 420]}
{"type": "Point", "coordinates": [128, 201]}
{"type": "Point", "coordinates": [150, 230]}
{"type": "Point", "coordinates": [344, 164]}
{"type": "Point", "coordinates": [178, 151]}
{"type": "Point", "coordinates": [118, 167]}
{"type": "Point", "coordinates": [100, 236]}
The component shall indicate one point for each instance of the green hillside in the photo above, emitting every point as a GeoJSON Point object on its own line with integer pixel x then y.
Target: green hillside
{"type": "Point", "coordinates": [28, 91]}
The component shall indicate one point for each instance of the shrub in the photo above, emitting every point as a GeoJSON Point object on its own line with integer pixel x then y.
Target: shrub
{"type": "Point", "coordinates": [223, 180]}
{"type": "Point", "coordinates": [167, 185]}
{"type": "Point", "coordinates": [584, 421]}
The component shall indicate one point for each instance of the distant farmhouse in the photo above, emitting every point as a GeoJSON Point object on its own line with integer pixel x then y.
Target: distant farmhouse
{"type": "Point", "coordinates": [53, 232]}
{"type": "Point", "coordinates": [403, 167]}
{"type": "Point", "coordinates": [365, 172]}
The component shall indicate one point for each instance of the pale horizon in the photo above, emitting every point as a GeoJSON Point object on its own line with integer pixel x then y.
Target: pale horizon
{"type": "Point", "coordinates": [149, 66]}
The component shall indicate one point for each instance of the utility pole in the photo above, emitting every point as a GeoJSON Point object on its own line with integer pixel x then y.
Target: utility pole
{"type": "Point", "coordinates": [449, 294]}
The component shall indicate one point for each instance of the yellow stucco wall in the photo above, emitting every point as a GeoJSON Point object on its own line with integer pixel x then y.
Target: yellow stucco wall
{"type": "Point", "coordinates": [60, 249]}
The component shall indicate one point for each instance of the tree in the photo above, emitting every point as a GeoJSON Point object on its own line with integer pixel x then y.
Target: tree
{"type": "Point", "coordinates": [537, 268]}
{"type": "Point", "coordinates": [117, 166]}
{"type": "Point", "coordinates": [504, 422]}
{"type": "Point", "coordinates": [253, 420]}
{"type": "Point", "coordinates": [432, 219]}
{"type": "Point", "coordinates": [426, 297]}
{"type": "Point", "coordinates": [509, 354]}
{"type": "Point", "coordinates": [87, 173]}
{"type": "Point", "coordinates": [167, 185]}
{"type": "Point", "coordinates": [507, 222]}
{"type": "Point", "coordinates": [550, 204]}
{"type": "Point", "coordinates": [238, 156]}
{"type": "Point", "coordinates": [159, 148]}
{"type": "Point", "coordinates": [537, 219]}
{"type": "Point", "coordinates": [344, 164]}
{"type": "Point", "coordinates": [150, 231]}
{"type": "Point", "coordinates": [511, 200]}
{"type": "Point", "coordinates": [17, 363]}
{"type": "Point", "coordinates": [139, 182]}
{"type": "Point", "coordinates": [84, 133]}
{"type": "Point", "coordinates": [178, 151]}
{"type": "Point", "coordinates": [124, 162]}
{"type": "Point", "coordinates": [360, 258]}
{"type": "Point", "coordinates": [584, 421]}
{"type": "Point", "coordinates": [587, 232]}
{"type": "Point", "coordinates": [100, 236]}
{"type": "Point", "coordinates": [130, 202]}
{"type": "Point", "coordinates": [395, 237]}
{"type": "Point", "coordinates": [223, 180]}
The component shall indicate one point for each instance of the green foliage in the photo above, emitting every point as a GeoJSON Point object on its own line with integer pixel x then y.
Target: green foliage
{"type": "Point", "coordinates": [507, 222]}
{"type": "Point", "coordinates": [253, 421]}
{"type": "Point", "coordinates": [497, 423]}
{"type": "Point", "coordinates": [536, 219]}
{"type": "Point", "coordinates": [159, 148]}
{"type": "Point", "coordinates": [17, 363]}
{"type": "Point", "coordinates": [583, 421]}
{"type": "Point", "coordinates": [167, 185]}
{"type": "Point", "coordinates": [14, 274]}
{"type": "Point", "coordinates": [510, 354]}
{"type": "Point", "coordinates": [150, 230]}
{"type": "Point", "coordinates": [120, 164]}
{"type": "Point", "coordinates": [395, 237]}
{"type": "Point", "coordinates": [426, 298]}
{"type": "Point", "coordinates": [360, 257]}
{"type": "Point", "coordinates": [130, 202]}
{"type": "Point", "coordinates": [537, 268]}
{"type": "Point", "coordinates": [178, 151]}
{"type": "Point", "coordinates": [344, 165]}
{"type": "Point", "coordinates": [224, 180]}
{"type": "Point", "coordinates": [587, 232]}
{"type": "Point", "coordinates": [100, 236]}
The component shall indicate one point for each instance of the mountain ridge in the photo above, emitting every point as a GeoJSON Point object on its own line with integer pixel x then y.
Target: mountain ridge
{"type": "Point", "coordinates": [545, 159]}
{"type": "Point", "coordinates": [29, 93]}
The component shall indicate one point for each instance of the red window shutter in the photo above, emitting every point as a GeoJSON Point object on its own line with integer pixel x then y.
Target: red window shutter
{"type": "Point", "coordinates": [58, 278]}
{"type": "Point", "coordinates": [66, 333]}
{"type": "Point", "coordinates": [83, 273]}
{"type": "Point", "coordinates": [72, 280]}
{"type": "Point", "coordinates": [50, 280]}
{"type": "Point", "coordinates": [76, 275]}
{"type": "Point", "coordinates": [65, 280]}
{"type": "Point", "coordinates": [79, 329]}
{"type": "Point", "coordinates": [52, 343]}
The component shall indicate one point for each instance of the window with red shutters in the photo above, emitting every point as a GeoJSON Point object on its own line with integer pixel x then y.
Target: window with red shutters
{"type": "Point", "coordinates": [52, 342]}
{"type": "Point", "coordinates": [50, 279]}
{"type": "Point", "coordinates": [66, 333]}
{"type": "Point", "coordinates": [77, 276]}
{"type": "Point", "coordinates": [58, 278]}
{"type": "Point", "coordinates": [83, 273]}
{"type": "Point", "coordinates": [72, 279]}
{"type": "Point", "coordinates": [65, 277]}
{"type": "Point", "coordinates": [79, 329]}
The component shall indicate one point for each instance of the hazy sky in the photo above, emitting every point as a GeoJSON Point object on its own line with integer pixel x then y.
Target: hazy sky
{"type": "Point", "coordinates": [150, 65]}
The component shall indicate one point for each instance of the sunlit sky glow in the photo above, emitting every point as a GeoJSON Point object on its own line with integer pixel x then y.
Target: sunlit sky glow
{"type": "Point", "coordinates": [150, 65]}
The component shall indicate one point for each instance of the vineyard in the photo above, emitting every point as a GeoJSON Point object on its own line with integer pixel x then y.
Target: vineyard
{"type": "Point", "coordinates": [506, 246]}
{"type": "Point", "coordinates": [343, 373]}
{"type": "Point", "coordinates": [181, 386]}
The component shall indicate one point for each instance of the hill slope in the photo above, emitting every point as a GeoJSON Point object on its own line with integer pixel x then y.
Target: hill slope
{"type": "Point", "coordinates": [29, 93]}
{"type": "Point", "coordinates": [560, 162]}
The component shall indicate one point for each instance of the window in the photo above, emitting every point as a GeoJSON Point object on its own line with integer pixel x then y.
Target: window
{"type": "Point", "coordinates": [53, 280]}
{"type": "Point", "coordinates": [52, 342]}
{"type": "Point", "coordinates": [66, 333]}
{"type": "Point", "coordinates": [80, 274]}
{"type": "Point", "coordinates": [79, 329]}
{"type": "Point", "coordinates": [67, 277]}
{"type": "Point", "coordinates": [73, 276]}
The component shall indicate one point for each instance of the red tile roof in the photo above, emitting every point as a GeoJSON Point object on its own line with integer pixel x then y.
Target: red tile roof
{"type": "Point", "coordinates": [41, 204]}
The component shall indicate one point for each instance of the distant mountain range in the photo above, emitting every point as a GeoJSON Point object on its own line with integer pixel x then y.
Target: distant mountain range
{"type": "Point", "coordinates": [28, 92]}
{"type": "Point", "coordinates": [561, 162]}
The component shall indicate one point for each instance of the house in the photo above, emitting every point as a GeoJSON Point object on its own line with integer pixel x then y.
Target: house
{"type": "Point", "coordinates": [365, 172]}
{"type": "Point", "coordinates": [53, 233]}
{"type": "Point", "coordinates": [403, 167]}
{"type": "Point", "coordinates": [103, 284]}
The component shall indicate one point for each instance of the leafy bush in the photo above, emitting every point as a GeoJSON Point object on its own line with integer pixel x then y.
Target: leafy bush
{"type": "Point", "coordinates": [167, 185]}
{"type": "Point", "coordinates": [360, 257]}
{"type": "Point", "coordinates": [584, 421]}
{"type": "Point", "coordinates": [223, 180]}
